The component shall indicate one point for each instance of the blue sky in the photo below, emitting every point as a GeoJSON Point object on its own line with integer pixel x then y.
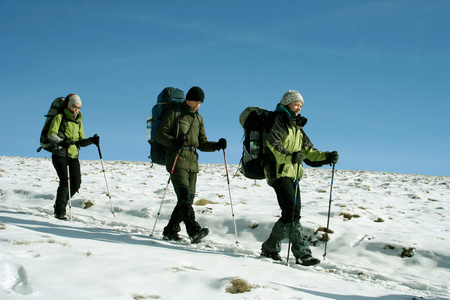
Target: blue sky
{"type": "Point", "coordinates": [374, 74]}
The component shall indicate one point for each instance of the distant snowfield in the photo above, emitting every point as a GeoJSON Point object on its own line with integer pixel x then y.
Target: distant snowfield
{"type": "Point", "coordinates": [390, 237]}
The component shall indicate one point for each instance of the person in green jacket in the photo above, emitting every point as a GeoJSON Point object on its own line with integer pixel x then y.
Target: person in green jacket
{"type": "Point", "coordinates": [286, 148]}
{"type": "Point", "coordinates": [183, 137]}
{"type": "Point", "coordinates": [66, 133]}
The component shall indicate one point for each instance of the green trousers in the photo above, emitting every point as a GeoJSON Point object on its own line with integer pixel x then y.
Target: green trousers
{"type": "Point", "coordinates": [184, 184]}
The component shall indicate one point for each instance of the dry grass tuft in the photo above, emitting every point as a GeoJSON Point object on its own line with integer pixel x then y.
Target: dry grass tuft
{"type": "Point", "coordinates": [140, 297]}
{"type": "Point", "coordinates": [88, 204]}
{"type": "Point", "coordinates": [238, 286]}
{"type": "Point", "coordinates": [349, 216]}
{"type": "Point", "coordinates": [407, 252]}
{"type": "Point", "coordinates": [203, 202]}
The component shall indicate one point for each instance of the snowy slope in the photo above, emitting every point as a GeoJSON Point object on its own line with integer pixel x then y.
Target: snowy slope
{"type": "Point", "coordinates": [390, 236]}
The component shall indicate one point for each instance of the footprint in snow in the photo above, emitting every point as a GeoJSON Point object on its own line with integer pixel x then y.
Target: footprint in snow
{"type": "Point", "coordinates": [14, 278]}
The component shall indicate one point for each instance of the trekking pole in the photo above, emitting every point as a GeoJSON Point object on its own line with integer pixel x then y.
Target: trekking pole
{"type": "Point", "coordinates": [104, 173]}
{"type": "Point", "coordinates": [293, 212]}
{"type": "Point", "coordinates": [329, 209]}
{"type": "Point", "coordinates": [229, 192]}
{"type": "Point", "coordinates": [68, 184]}
{"type": "Point", "coordinates": [164, 195]}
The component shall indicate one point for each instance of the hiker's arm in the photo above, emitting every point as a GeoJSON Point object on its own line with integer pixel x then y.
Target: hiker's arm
{"type": "Point", "coordinates": [204, 144]}
{"type": "Point", "coordinates": [83, 141]}
{"type": "Point", "coordinates": [54, 129]}
{"type": "Point", "coordinates": [163, 135]}
{"type": "Point", "coordinates": [313, 157]}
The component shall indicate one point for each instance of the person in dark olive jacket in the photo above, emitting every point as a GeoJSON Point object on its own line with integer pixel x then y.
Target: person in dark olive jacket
{"type": "Point", "coordinates": [66, 133]}
{"type": "Point", "coordinates": [183, 137]}
{"type": "Point", "coordinates": [286, 147]}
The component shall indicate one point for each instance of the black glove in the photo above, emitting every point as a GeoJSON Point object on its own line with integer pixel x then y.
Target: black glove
{"type": "Point", "coordinates": [297, 157]}
{"type": "Point", "coordinates": [95, 139]}
{"type": "Point", "coordinates": [222, 144]}
{"type": "Point", "coordinates": [178, 143]}
{"type": "Point", "coordinates": [65, 143]}
{"type": "Point", "coordinates": [333, 157]}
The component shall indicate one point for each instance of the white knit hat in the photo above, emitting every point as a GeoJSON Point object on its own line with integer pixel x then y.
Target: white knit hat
{"type": "Point", "coordinates": [74, 99]}
{"type": "Point", "coordinates": [291, 96]}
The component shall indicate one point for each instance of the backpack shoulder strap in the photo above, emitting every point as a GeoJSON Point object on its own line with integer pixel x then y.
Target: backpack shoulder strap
{"type": "Point", "coordinates": [63, 124]}
{"type": "Point", "coordinates": [177, 110]}
{"type": "Point", "coordinates": [200, 118]}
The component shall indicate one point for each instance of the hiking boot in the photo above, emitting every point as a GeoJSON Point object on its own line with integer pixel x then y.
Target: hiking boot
{"type": "Point", "coordinates": [307, 260]}
{"type": "Point", "coordinates": [272, 255]}
{"type": "Point", "coordinates": [61, 217]}
{"type": "Point", "coordinates": [172, 237]}
{"type": "Point", "coordinates": [197, 237]}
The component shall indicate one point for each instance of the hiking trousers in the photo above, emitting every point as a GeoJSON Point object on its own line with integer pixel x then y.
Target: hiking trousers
{"type": "Point", "coordinates": [184, 183]}
{"type": "Point", "coordinates": [62, 193]}
{"type": "Point", "coordinates": [285, 191]}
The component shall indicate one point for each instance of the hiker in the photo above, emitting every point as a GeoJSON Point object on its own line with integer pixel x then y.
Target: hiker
{"type": "Point", "coordinates": [181, 156]}
{"type": "Point", "coordinates": [286, 147]}
{"type": "Point", "coordinates": [66, 133]}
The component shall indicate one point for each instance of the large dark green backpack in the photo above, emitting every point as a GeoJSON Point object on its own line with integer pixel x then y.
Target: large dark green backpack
{"type": "Point", "coordinates": [56, 108]}
{"type": "Point", "coordinates": [254, 121]}
{"type": "Point", "coordinates": [168, 97]}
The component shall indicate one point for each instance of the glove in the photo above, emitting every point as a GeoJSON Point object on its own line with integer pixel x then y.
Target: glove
{"type": "Point", "coordinates": [178, 143]}
{"type": "Point", "coordinates": [333, 157]}
{"type": "Point", "coordinates": [65, 143]}
{"type": "Point", "coordinates": [95, 139]}
{"type": "Point", "coordinates": [297, 157]}
{"type": "Point", "coordinates": [222, 144]}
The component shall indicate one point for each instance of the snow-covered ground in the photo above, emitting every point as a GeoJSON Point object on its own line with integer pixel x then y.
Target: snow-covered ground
{"type": "Point", "coordinates": [390, 237]}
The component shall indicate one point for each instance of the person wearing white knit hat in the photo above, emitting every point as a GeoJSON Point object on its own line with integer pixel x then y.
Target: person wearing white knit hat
{"type": "Point", "coordinates": [74, 104]}
{"type": "Point", "coordinates": [66, 133]}
{"type": "Point", "coordinates": [286, 147]}
{"type": "Point", "coordinates": [291, 96]}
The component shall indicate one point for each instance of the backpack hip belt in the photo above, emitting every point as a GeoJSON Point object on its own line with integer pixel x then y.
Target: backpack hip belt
{"type": "Point", "coordinates": [192, 148]}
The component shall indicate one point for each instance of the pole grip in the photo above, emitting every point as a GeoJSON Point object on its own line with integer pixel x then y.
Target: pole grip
{"type": "Point", "coordinates": [99, 151]}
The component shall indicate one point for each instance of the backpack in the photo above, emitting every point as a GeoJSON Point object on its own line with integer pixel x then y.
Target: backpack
{"type": "Point", "coordinates": [254, 121]}
{"type": "Point", "coordinates": [168, 97]}
{"type": "Point", "coordinates": [56, 108]}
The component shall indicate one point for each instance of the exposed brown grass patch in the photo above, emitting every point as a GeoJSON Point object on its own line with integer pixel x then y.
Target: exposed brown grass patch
{"type": "Point", "coordinates": [203, 202]}
{"type": "Point", "coordinates": [88, 204]}
{"type": "Point", "coordinates": [238, 286]}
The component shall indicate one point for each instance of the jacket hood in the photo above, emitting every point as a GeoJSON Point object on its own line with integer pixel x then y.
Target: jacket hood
{"type": "Point", "coordinates": [298, 120]}
{"type": "Point", "coordinates": [69, 116]}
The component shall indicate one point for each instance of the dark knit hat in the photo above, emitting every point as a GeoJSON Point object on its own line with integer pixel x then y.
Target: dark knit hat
{"type": "Point", "coordinates": [195, 94]}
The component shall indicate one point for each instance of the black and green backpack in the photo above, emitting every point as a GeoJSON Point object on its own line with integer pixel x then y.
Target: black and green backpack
{"type": "Point", "coordinates": [56, 108]}
{"type": "Point", "coordinates": [254, 121]}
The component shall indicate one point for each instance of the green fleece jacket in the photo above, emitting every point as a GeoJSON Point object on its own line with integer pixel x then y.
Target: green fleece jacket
{"type": "Point", "coordinates": [71, 129]}
{"type": "Point", "coordinates": [190, 124]}
{"type": "Point", "coordinates": [283, 136]}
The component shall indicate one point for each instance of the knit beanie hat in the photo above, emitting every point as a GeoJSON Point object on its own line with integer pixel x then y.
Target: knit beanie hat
{"type": "Point", "coordinates": [195, 94]}
{"type": "Point", "coordinates": [74, 100]}
{"type": "Point", "coordinates": [291, 96]}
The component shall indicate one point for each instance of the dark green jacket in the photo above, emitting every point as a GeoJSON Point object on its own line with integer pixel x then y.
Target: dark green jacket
{"type": "Point", "coordinates": [283, 137]}
{"type": "Point", "coordinates": [190, 124]}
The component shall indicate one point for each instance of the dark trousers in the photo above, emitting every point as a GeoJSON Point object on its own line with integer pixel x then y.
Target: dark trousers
{"type": "Point", "coordinates": [62, 193]}
{"type": "Point", "coordinates": [184, 183]}
{"type": "Point", "coordinates": [285, 190]}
